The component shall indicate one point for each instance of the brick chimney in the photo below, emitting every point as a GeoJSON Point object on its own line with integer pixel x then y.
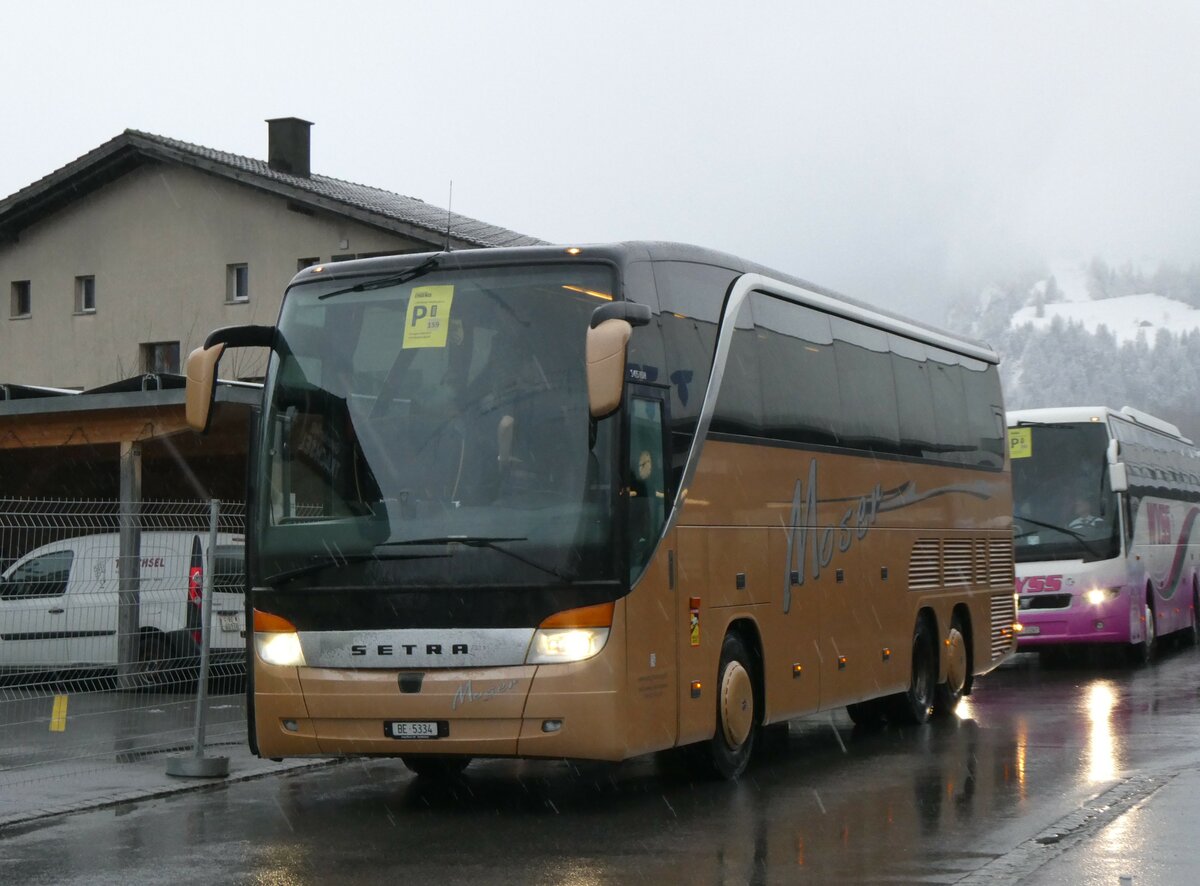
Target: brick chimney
{"type": "Point", "coordinates": [288, 145]}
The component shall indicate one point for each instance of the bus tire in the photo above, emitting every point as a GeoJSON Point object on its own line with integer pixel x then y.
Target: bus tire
{"type": "Point", "coordinates": [436, 768]}
{"type": "Point", "coordinates": [949, 692]}
{"type": "Point", "coordinates": [915, 706]}
{"type": "Point", "coordinates": [1191, 635]}
{"type": "Point", "coordinates": [1143, 653]}
{"type": "Point", "coordinates": [738, 717]}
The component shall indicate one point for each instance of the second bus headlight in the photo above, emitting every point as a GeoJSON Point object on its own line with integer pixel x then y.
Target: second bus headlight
{"type": "Point", "coordinates": [1096, 596]}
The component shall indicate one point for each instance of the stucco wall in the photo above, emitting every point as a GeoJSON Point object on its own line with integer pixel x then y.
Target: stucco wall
{"type": "Point", "coordinates": [158, 241]}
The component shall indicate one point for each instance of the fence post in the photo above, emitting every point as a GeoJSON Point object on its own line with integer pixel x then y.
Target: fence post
{"type": "Point", "coordinates": [198, 765]}
{"type": "Point", "coordinates": [129, 565]}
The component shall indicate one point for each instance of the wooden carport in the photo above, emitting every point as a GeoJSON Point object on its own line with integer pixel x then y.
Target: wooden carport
{"type": "Point", "coordinates": [128, 442]}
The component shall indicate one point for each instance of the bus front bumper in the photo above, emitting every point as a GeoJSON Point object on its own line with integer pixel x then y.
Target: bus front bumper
{"type": "Point", "coordinates": [567, 710]}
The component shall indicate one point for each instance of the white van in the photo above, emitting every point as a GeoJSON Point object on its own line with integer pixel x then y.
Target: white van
{"type": "Point", "coordinates": [58, 604]}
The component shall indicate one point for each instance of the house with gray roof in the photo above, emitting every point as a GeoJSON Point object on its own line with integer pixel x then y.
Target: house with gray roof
{"type": "Point", "coordinates": [122, 261]}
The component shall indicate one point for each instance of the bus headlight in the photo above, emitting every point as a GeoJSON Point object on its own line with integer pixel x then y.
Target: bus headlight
{"type": "Point", "coordinates": [571, 635]}
{"type": "Point", "coordinates": [558, 645]}
{"type": "Point", "coordinates": [280, 649]}
{"type": "Point", "coordinates": [1096, 596]}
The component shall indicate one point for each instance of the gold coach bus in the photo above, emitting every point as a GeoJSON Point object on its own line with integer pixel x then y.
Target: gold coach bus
{"type": "Point", "coordinates": [600, 501]}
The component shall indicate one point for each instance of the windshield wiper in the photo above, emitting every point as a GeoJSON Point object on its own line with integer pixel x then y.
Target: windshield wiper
{"type": "Point", "coordinates": [1098, 553]}
{"type": "Point", "coordinates": [404, 276]}
{"type": "Point", "coordinates": [323, 561]}
{"type": "Point", "coordinates": [482, 541]}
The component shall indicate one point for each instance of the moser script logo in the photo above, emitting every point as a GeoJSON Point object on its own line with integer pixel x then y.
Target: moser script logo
{"type": "Point", "coordinates": [805, 536]}
{"type": "Point", "coordinates": [408, 649]}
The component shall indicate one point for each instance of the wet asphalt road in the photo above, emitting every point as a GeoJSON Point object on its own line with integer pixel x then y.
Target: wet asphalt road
{"type": "Point", "coordinates": [918, 805]}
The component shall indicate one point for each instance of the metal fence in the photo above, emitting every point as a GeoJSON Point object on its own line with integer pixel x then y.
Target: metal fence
{"type": "Point", "coordinates": [102, 630]}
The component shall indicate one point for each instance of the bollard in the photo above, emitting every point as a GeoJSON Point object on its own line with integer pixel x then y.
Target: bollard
{"type": "Point", "coordinates": [198, 765]}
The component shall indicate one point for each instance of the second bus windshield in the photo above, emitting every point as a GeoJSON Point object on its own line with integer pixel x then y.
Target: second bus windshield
{"type": "Point", "coordinates": [1063, 506]}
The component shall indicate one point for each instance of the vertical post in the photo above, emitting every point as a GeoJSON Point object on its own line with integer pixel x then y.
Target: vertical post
{"type": "Point", "coordinates": [198, 765]}
{"type": "Point", "coordinates": [129, 564]}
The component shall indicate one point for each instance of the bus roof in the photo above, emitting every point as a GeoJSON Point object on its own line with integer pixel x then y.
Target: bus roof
{"type": "Point", "coordinates": [1070, 414]}
{"type": "Point", "coordinates": [628, 252]}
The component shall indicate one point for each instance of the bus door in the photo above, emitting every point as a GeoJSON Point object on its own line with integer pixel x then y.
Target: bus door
{"type": "Point", "coordinates": [650, 607]}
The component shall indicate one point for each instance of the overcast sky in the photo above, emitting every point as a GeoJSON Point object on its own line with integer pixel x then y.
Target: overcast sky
{"type": "Point", "coordinates": [895, 151]}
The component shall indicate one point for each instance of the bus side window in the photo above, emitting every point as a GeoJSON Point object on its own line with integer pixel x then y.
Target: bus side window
{"type": "Point", "coordinates": [647, 481]}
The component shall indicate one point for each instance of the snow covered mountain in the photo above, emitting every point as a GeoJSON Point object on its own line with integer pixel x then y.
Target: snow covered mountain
{"type": "Point", "coordinates": [1087, 334]}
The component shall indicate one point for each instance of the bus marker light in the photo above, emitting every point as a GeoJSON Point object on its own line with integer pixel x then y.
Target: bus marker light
{"type": "Point", "coordinates": [841, 662]}
{"type": "Point", "coordinates": [1099, 625]}
{"type": "Point", "coordinates": [695, 689]}
{"type": "Point", "coordinates": [265, 622]}
{"type": "Point", "coordinates": [551, 725]}
{"type": "Point", "coordinates": [291, 725]}
{"type": "Point", "coordinates": [797, 670]}
{"type": "Point", "coordinates": [887, 653]}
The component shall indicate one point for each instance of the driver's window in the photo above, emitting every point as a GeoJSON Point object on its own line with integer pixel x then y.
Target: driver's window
{"type": "Point", "coordinates": [44, 576]}
{"type": "Point", "coordinates": [647, 481]}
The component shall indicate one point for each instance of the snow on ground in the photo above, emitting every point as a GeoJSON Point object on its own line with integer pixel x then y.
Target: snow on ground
{"type": "Point", "coordinates": [1124, 316]}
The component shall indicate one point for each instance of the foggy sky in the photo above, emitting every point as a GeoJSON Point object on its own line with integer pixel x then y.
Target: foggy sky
{"type": "Point", "coordinates": [898, 152]}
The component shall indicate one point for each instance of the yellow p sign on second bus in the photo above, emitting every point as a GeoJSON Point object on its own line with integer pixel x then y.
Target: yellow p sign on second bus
{"type": "Point", "coordinates": [1020, 442]}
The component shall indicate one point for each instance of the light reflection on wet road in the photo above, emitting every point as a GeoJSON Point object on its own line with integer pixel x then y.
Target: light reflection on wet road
{"type": "Point", "coordinates": [835, 806]}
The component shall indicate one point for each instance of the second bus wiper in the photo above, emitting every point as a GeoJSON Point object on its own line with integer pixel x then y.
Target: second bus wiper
{"type": "Point", "coordinates": [482, 541]}
{"type": "Point", "coordinates": [404, 276]}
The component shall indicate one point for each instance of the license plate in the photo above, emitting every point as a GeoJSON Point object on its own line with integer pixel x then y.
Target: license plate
{"type": "Point", "coordinates": [230, 621]}
{"type": "Point", "coordinates": [1031, 630]}
{"type": "Point", "coordinates": [405, 729]}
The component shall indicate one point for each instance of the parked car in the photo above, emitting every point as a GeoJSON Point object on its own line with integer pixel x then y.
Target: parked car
{"type": "Point", "coordinates": [59, 606]}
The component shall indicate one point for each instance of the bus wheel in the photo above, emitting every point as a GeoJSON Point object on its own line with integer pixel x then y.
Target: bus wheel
{"type": "Point", "coordinates": [916, 705]}
{"type": "Point", "coordinates": [437, 768]}
{"type": "Point", "coordinates": [1143, 653]}
{"type": "Point", "coordinates": [737, 718]}
{"type": "Point", "coordinates": [958, 666]}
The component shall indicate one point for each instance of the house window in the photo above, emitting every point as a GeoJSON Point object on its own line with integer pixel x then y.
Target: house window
{"type": "Point", "coordinates": [160, 357]}
{"type": "Point", "coordinates": [22, 299]}
{"type": "Point", "coordinates": [85, 295]}
{"type": "Point", "coordinates": [302, 263]}
{"type": "Point", "coordinates": [237, 283]}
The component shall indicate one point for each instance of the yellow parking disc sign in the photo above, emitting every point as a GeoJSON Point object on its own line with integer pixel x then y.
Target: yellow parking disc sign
{"type": "Point", "coordinates": [428, 318]}
{"type": "Point", "coordinates": [1020, 442]}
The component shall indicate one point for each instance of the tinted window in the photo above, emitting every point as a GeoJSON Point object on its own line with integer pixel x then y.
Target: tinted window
{"type": "Point", "coordinates": [985, 412]}
{"type": "Point", "coordinates": [739, 399]}
{"type": "Point", "coordinates": [867, 388]}
{"type": "Point", "coordinates": [914, 396]}
{"type": "Point", "coordinates": [950, 408]}
{"type": "Point", "coordinates": [797, 371]}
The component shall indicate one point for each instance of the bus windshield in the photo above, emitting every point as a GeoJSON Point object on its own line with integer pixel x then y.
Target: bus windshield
{"type": "Point", "coordinates": [437, 428]}
{"type": "Point", "coordinates": [1064, 508]}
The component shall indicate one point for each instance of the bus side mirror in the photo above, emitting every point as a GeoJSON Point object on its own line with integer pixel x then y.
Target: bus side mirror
{"type": "Point", "coordinates": [1118, 477]}
{"type": "Point", "coordinates": [202, 368]}
{"type": "Point", "coordinates": [606, 365]}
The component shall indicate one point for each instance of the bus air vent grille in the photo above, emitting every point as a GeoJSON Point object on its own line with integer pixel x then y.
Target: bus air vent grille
{"type": "Point", "coordinates": [924, 565]}
{"type": "Point", "coordinates": [1000, 563]}
{"type": "Point", "coordinates": [956, 556]}
{"type": "Point", "coordinates": [1003, 615]}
